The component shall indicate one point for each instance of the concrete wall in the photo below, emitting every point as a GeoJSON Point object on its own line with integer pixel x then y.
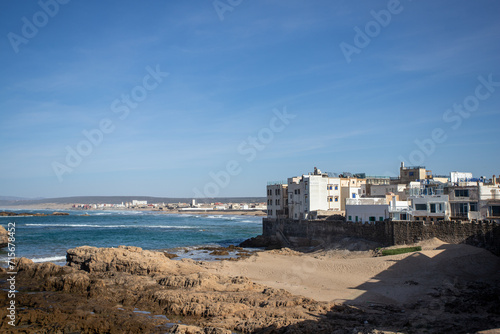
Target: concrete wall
{"type": "Point", "coordinates": [387, 233]}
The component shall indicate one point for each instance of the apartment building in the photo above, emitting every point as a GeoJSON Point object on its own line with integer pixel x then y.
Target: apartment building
{"type": "Point", "coordinates": [313, 193]}
{"type": "Point", "coordinates": [316, 194]}
{"type": "Point", "coordinates": [430, 208]}
{"type": "Point", "coordinates": [277, 200]}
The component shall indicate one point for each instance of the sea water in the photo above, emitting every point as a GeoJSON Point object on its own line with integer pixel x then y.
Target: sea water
{"type": "Point", "coordinates": [47, 238]}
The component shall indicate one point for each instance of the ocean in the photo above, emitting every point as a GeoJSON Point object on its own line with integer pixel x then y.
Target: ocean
{"type": "Point", "coordinates": [46, 239]}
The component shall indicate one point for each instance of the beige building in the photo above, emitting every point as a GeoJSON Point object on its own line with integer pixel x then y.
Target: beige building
{"type": "Point", "coordinates": [413, 173]}
{"type": "Point", "coordinates": [277, 200]}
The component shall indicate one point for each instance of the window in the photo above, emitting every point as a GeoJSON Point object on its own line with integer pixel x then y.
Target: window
{"type": "Point", "coordinates": [277, 202]}
{"type": "Point", "coordinates": [329, 199]}
{"type": "Point", "coordinates": [411, 173]}
{"type": "Point", "coordinates": [336, 187]}
{"type": "Point", "coordinates": [270, 212]}
{"type": "Point", "coordinates": [462, 193]}
{"type": "Point", "coordinates": [463, 207]}
{"type": "Point", "coordinates": [433, 207]}
{"type": "Point", "coordinates": [473, 206]}
{"type": "Point", "coordinates": [381, 219]}
{"type": "Point", "coordinates": [329, 187]}
{"type": "Point", "coordinates": [356, 218]}
{"type": "Point", "coordinates": [372, 219]}
{"type": "Point", "coordinates": [349, 218]}
{"type": "Point", "coordinates": [421, 207]}
{"type": "Point", "coordinates": [336, 198]}
{"type": "Point", "coordinates": [353, 195]}
{"type": "Point", "coordinates": [494, 210]}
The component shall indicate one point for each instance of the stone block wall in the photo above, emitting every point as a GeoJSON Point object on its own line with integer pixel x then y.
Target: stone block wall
{"type": "Point", "coordinates": [387, 233]}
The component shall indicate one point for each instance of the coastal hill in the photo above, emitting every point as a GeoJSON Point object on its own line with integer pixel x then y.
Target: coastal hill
{"type": "Point", "coordinates": [124, 199]}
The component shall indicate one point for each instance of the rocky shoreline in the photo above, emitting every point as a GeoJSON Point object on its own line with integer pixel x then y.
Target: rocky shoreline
{"type": "Point", "coordinates": [31, 214]}
{"type": "Point", "coordinates": [130, 290]}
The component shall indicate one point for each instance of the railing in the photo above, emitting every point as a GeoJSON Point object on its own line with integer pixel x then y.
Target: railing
{"type": "Point", "coordinates": [273, 183]}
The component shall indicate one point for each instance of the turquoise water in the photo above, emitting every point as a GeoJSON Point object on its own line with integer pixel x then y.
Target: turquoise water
{"type": "Point", "coordinates": [44, 239]}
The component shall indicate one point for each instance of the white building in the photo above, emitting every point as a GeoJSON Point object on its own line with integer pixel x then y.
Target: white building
{"type": "Point", "coordinates": [136, 202]}
{"type": "Point", "coordinates": [489, 201]}
{"type": "Point", "coordinates": [377, 209]}
{"type": "Point", "coordinates": [366, 210]}
{"type": "Point", "coordinates": [400, 210]}
{"type": "Point", "coordinates": [314, 194]}
{"type": "Point", "coordinates": [430, 207]}
{"type": "Point", "coordinates": [456, 177]}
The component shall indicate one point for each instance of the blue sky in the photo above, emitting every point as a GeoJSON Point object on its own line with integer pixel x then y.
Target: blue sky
{"type": "Point", "coordinates": [228, 79]}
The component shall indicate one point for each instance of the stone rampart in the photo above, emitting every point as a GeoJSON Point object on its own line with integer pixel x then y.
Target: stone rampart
{"type": "Point", "coordinates": [292, 233]}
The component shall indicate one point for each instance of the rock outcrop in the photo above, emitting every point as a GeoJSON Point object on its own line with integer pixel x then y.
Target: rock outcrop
{"type": "Point", "coordinates": [128, 259]}
{"type": "Point", "coordinates": [4, 237]}
{"type": "Point", "coordinates": [262, 241]}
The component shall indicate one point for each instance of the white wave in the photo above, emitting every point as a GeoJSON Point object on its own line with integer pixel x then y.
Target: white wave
{"type": "Point", "coordinates": [115, 226]}
{"type": "Point", "coordinates": [62, 225]}
{"type": "Point", "coordinates": [49, 259]}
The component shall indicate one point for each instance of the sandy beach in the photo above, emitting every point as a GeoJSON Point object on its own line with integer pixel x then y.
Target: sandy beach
{"type": "Point", "coordinates": [359, 277]}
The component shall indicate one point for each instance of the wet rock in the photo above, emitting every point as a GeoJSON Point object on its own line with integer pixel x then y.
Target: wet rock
{"type": "Point", "coordinates": [261, 241]}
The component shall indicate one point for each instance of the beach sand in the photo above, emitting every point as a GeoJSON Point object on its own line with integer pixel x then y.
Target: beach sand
{"type": "Point", "coordinates": [359, 277]}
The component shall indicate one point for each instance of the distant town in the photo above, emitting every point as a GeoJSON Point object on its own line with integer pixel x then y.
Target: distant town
{"type": "Point", "coordinates": [416, 195]}
{"type": "Point", "coordinates": [256, 208]}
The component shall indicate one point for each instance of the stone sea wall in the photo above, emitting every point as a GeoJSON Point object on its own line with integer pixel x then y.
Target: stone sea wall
{"type": "Point", "coordinates": [387, 233]}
